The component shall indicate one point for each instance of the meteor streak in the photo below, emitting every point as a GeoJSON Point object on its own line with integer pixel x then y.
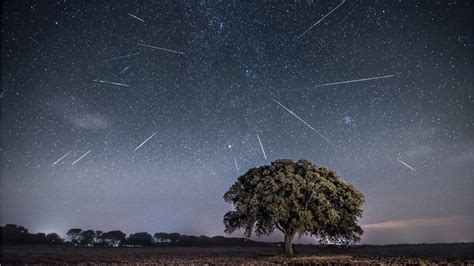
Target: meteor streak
{"type": "Point", "coordinates": [304, 122]}
{"type": "Point", "coordinates": [125, 69]}
{"type": "Point", "coordinates": [159, 48]}
{"type": "Point", "coordinates": [60, 159]}
{"type": "Point", "coordinates": [112, 83]}
{"type": "Point", "coordinates": [123, 56]}
{"type": "Point", "coordinates": [152, 135]}
{"type": "Point", "coordinates": [261, 146]}
{"type": "Point", "coordinates": [236, 167]}
{"type": "Point", "coordinates": [317, 22]}
{"type": "Point", "coordinates": [80, 158]}
{"type": "Point", "coordinates": [411, 168]}
{"type": "Point", "coordinates": [355, 80]}
{"type": "Point", "coordinates": [133, 16]}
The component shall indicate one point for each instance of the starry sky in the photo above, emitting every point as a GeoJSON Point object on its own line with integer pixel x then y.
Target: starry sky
{"type": "Point", "coordinates": [200, 79]}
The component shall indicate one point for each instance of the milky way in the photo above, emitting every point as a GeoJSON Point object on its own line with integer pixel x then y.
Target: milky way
{"type": "Point", "coordinates": [96, 79]}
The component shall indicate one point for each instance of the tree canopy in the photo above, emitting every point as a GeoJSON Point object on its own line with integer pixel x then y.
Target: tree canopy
{"type": "Point", "coordinates": [16, 235]}
{"type": "Point", "coordinates": [141, 239]}
{"type": "Point", "coordinates": [295, 198]}
{"type": "Point", "coordinates": [13, 234]}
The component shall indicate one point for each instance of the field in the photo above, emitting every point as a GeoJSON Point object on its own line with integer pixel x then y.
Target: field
{"type": "Point", "coordinates": [392, 254]}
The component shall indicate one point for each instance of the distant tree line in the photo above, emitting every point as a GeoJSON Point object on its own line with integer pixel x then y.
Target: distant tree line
{"type": "Point", "coordinates": [13, 234]}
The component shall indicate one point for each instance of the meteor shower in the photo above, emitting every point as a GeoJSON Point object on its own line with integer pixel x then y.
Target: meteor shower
{"type": "Point", "coordinates": [214, 132]}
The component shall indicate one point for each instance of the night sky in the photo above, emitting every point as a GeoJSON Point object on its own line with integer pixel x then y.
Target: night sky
{"type": "Point", "coordinates": [203, 78]}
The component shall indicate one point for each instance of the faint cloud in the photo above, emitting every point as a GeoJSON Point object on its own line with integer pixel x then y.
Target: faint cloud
{"type": "Point", "coordinates": [410, 223]}
{"type": "Point", "coordinates": [424, 230]}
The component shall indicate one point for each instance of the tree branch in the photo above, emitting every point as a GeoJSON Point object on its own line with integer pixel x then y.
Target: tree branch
{"type": "Point", "coordinates": [280, 228]}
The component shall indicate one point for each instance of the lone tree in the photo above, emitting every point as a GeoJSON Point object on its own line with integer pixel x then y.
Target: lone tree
{"type": "Point", "coordinates": [295, 198]}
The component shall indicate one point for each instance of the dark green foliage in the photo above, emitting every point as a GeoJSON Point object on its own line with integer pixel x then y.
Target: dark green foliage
{"type": "Point", "coordinates": [175, 237]}
{"type": "Point", "coordinates": [75, 234]}
{"type": "Point", "coordinates": [140, 239]}
{"type": "Point", "coordinates": [88, 238]}
{"type": "Point", "coordinates": [19, 235]}
{"type": "Point", "coordinates": [113, 238]}
{"type": "Point", "coordinates": [98, 237]}
{"type": "Point", "coordinates": [54, 238]}
{"type": "Point", "coordinates": [13, 234]}
{"type": "Point", "coordinates": [295, 198]}
{"type": "Point", "coordinates": [161, 237]}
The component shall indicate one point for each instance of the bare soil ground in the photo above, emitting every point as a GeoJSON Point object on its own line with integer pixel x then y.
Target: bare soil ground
{"type": "Point", "coordinates": [446, 254]}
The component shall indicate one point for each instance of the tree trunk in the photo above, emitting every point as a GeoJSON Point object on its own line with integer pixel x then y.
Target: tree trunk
{"type": "Point", "coordinates": [288, 244]}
